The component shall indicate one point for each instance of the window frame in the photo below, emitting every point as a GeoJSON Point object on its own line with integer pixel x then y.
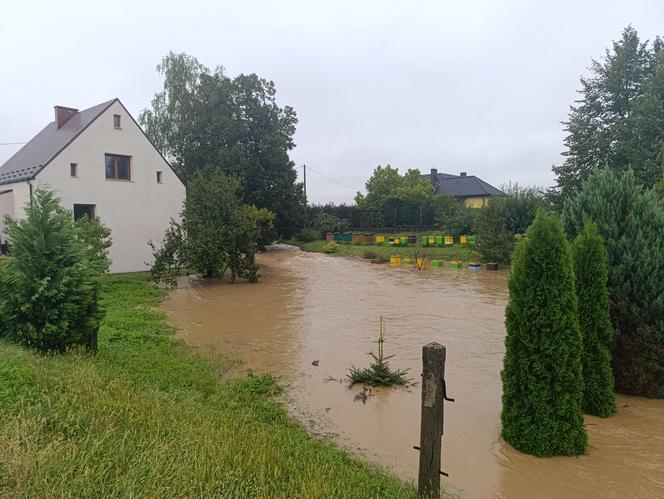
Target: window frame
{"type": "Point", "coordinates": [73, 170]}
{"type": "Point", "coordinates": [116, 169]}
{"type": "Point", "coordinates": [93, 209]}
{"type": "Point", "coordinates": [117, 121]}
{"type": "Point", "coordinates": [160, 177]}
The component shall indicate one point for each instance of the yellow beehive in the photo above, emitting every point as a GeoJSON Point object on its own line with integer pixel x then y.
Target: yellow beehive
{"type": "Point", "coordinates": [421, 263]}
{"type": "Point", "coordinates": [380, 239]}
{"type": "Point", "coordinates": [395, 260]}
{"type": "Point", "coordinates": [432, 240]}
{"type": "Point", "coordinates": [449, 240]}
{"type": "Point", "coordinates": [463, 239]}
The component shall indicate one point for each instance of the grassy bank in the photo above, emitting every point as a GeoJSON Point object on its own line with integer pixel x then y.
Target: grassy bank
{"type": "Point", "coordinates": [455, 252]}
{"type": "Point", "coordinates": [147, 418]}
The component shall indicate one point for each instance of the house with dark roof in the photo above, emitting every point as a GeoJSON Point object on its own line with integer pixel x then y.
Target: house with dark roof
{"type": "Point", "coordinates": [472, 191]}
{"type": "Point", "coordinates": [100, 163]}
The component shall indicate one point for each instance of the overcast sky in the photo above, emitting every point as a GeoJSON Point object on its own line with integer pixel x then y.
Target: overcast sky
{"type": "Point", "coordinates": [478, 86]}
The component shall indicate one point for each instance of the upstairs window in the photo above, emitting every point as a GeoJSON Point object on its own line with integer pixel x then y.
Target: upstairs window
{"type": "Point", "coordinates": [116, 121]}
{"type": "Point", "coordinates": [160, 179]}
{"type": "Point", "coordinates": [73, 169]}
{"type": "Point", "coordinates": [118, 167]}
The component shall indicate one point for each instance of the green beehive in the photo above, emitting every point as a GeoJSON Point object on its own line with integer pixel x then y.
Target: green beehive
{"type": "Point", "coordinates": [439, 240]}
{"type": "Point", "coordinates": [423, 239]}
{"type": "Point", "coordinates": [436, 263]}
{"type": "Point", "coordinates": [472, 240]}
{"type": "Point", "coordinates": [455, 264]}
{"type": "Point", "coordinates": [404, 240]}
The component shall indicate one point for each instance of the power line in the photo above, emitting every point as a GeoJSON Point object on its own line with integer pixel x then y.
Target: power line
{"type": "Point", "coordinates": [332, 180]}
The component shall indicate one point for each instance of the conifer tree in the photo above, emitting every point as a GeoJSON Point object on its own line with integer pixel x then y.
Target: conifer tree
{"type": "Point", "coordinates": [542, 373]}
{"type": "Point", "coordinates": [48, 287]}
{"type": "Point", "coordinates": [591, 271]}
{"type": "Point", "coordinates": [630, 219]}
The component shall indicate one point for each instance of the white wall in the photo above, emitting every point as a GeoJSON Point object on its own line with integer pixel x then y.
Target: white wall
{"type": "Point", "coordinates": [6, 208]}
{"type": "Point", "coordinates": [12, 202]}
{"type": "Point", "coordinates": [136, 211]}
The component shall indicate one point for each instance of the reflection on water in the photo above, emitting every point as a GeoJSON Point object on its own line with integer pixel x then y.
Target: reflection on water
{"type": "Point", "coordinates": [311, 307]}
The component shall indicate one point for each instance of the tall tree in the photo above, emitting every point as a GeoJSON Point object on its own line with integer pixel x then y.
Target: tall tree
{"type": "Point", "coordinates": [542, 376]}
{"type": "Point", "coordinates": [630, 219]}
{"type": "Point", "coordinates": [599, 126]}
{"type": "Point", "coordinates": [205, 121]}
{"type": "Point", "coordinates": [395, 199]}
{"type": "Point", "coordinates": [591, 271]}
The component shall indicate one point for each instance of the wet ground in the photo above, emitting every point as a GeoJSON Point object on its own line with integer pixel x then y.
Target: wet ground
{"type": "Point", "coordinates": [310, 307]}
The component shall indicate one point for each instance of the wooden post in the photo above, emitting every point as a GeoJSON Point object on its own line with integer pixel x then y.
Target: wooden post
{"type": "Point", "coordinates": [431, 429]}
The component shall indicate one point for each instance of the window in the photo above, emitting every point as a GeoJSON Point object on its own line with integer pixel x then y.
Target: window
{"type": "Point", "coordinates": [116, 120]}
{"type": "Point", "coordinates": [81, 210]}
{"type": "Point", "coordinates": [73, 169]}
{"type": "Point", "coordinates": [118, 167]}
{"type": "Point", "coordinates": [159, 178]}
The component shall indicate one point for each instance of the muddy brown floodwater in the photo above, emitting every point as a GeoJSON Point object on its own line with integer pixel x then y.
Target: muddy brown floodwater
{"type": "Point", "coordinates": [311, 307]}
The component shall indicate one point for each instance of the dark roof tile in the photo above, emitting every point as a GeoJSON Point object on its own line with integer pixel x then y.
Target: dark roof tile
{"type": "Point", "coordinates": [47, 144]}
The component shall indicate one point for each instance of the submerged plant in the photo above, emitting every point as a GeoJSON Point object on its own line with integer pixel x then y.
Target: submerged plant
{"type": "Point", "coordinates": [379, 372]}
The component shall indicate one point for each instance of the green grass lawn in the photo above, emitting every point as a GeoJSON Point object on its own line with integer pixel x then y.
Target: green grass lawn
{"type": "Point", "coordinates": [455, 252]}
{"type": "Point", "coordinates": [146, 417]}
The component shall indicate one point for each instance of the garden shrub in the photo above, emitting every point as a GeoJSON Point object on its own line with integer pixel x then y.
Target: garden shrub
{"type": "Point", "coordinates": [331, 247]}
{"type": "Point", "coordinates": [630, 219]}
{"type": "Point", "coordinates": [217, 233]}
{"type": "Point", "coordinates": [495, 242]}
{"type": "Point", "coordinates": [542, 374]}
{"type": "Point", "coordinates": [591, 270]}
{"type": "Point", "coordinates": [48, 288]}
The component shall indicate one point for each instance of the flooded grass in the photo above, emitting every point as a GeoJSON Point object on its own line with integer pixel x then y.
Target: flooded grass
{"type": "Point", "coordinates": [455, 252]}
{"type": "Point", "coordinates": [146, 417]}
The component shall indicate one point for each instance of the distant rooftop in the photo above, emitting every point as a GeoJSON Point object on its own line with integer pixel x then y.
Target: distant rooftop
{"type": "Point", "coordinates": [462, 185]}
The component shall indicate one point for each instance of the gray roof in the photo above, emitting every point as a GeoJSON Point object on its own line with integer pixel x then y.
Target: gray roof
{"type": "Point", "coordinates": [47, 144]}
{"type": "Point", "coordinates": [464, 186]}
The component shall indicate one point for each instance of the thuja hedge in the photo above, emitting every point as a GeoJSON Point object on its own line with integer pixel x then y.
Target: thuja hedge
{"type": "Point", "coordinates": [630, 219]}
{"type": "Point", "coordinates": [542, 374]}
{"type": "Point", "coordinates": [591, 269]}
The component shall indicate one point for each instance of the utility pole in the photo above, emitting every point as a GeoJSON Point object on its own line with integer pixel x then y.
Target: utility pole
{"type": "Point", "coordinates": [306, 201]}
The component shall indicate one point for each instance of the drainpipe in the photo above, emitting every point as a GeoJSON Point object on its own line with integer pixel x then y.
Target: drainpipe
{"type": "Point", "coordinates": [30, 186]}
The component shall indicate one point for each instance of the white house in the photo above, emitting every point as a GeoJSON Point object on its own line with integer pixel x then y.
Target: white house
{"type": "Point", "coordinates": [100, 162]}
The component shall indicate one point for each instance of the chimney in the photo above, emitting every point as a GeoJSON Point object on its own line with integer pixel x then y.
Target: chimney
{"type": "Point", "coordinates": [62, 115]}
{"type": "Point", "coordinates": [434, 179]}
{"type": "Point", "coordinates": [462, 174]}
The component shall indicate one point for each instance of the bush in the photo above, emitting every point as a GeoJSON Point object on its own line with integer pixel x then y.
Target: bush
{"type": "Point", "coordinates": [48, 288]}
{"type": "Point", "coordinates": [630, 219]}
{"type": "Point", "coordinates": [521, 205]}
{"type": "Point", "coordinates": [494, 241]}
{"type": "Point", "coordinates": [453, 217]}
{"type": "Point", "coordinates": [591, 270]}
{"type": "Point", "coordinates": [307, 235]}
{"type": "Point", "coordinates": [331, 247]}
{"type": "Point", "coordinates": [217, 233]}
{"type": "Point", "coordinates": [542, 374]}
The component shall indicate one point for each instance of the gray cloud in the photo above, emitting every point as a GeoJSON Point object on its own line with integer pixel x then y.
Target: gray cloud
{"type": "Point", "coordinates": [462, 86]}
